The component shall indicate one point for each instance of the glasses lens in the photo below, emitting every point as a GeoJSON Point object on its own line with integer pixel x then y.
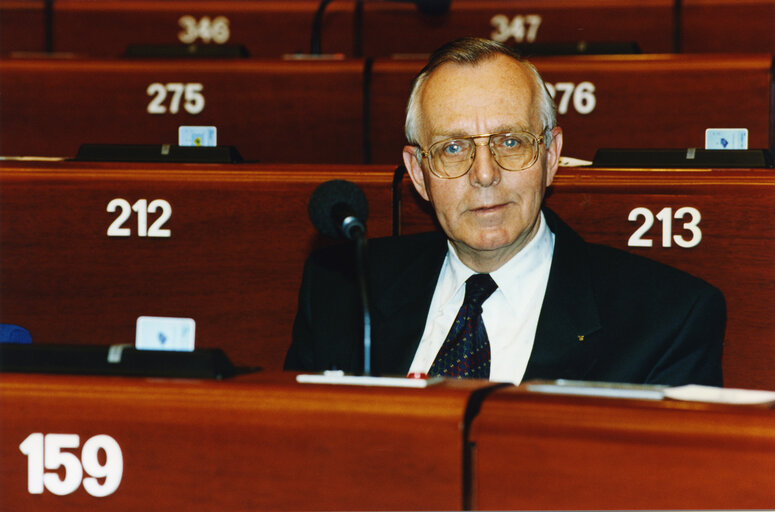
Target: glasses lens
{"type": "Point", "coordinates": [514, 151]}
{"type": "Point", "coordinates": [452, 158]}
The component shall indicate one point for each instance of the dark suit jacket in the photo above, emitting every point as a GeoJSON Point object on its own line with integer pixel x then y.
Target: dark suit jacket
{"type": "Point", "coordinates": [607, 315]}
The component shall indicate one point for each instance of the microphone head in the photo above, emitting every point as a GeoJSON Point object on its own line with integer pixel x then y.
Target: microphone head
{"type": "Point", "coordinates": [332, 202]}
{"type": "Point", "coordinates": [433, 7]}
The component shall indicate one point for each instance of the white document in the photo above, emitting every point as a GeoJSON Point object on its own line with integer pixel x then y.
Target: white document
{"type": "Point", "coordinates": [697, 393]}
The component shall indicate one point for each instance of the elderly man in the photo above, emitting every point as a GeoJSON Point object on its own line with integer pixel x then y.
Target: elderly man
{"type": "Point", "coordinates": [508, 292]}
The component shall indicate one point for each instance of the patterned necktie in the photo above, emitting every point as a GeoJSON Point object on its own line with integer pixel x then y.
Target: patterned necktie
{"type": "Point", "coordinates": [466, 351]}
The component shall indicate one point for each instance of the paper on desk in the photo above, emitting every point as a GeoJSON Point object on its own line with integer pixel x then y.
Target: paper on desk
{"type": "Point", "coordinates": [567, 161]}
{"type": "Point", "coordinates": [339, 377]}
{"type": "Point", "coordinates": [689, 393]}
{"type": "Point", "coordinates": [601, 389]}
{"type": "Point", "coordinates": [697, 393]}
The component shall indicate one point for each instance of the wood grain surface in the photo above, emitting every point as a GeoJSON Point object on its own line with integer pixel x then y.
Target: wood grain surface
{"type": "Point", "coordinates": [22, 26]}
{"type": "Point", "coordinates": [707, 26]}
{"type": "Point", "coordinates": [649, 23]}
{"type": "Point", "coordinates": [267, 28]}
{"type": "Point", "coordinates": [233, 263]}
{"type": "Point", "coordinates": [575, 453]}
{"type": "Point", "coordinates": [270, 110]}
{"type": "Point", "coordinates": [259, 442]}
{"type": "Point", "coordinates": [641, 101]}
{"type": "Point", "coordinates": [276, 111]}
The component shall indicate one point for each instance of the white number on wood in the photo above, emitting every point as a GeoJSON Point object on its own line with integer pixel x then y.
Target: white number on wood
{"type": "Point", "coordinates": [581, 96]}
{"type": "Point", "coordinates": [45, 452]}
{"type": "Point", "coordinates": [142, 208]}
{"type": "Point", "coordinates": [191, 94]}
{"type": "Point", "coordinates": [665, 217]}
{"type": "Point", "coordinates": [215, 30]}
{"type": "Point", "coordinates": [521, 28]}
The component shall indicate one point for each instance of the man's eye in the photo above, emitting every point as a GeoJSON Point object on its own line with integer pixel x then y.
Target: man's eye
{"type": "Point", "coordinates": [511, 143]}
{"type": "Point", "coordinates": [453, 148]}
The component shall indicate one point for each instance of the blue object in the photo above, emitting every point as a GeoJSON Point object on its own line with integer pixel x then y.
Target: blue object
{"type": "Point", "coordinates": [10, 333]}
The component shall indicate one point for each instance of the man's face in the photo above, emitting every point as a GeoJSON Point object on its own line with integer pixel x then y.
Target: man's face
{"type": "Point", "coordinates": [490, 213]}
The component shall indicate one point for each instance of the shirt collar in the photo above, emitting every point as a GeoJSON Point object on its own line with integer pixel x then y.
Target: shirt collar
{"type": "Point", "coordinates": [510, 276]}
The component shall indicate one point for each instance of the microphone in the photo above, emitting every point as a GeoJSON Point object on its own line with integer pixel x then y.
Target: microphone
{"type": "Point", "coordinates": [431, 7]}
{"type": "Point", "coordinates": [424, 7]}
{"type": "Point", "coordinates": [339, 209]}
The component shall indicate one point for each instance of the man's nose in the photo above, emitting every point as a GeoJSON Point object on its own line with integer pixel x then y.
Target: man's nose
{"type": "Point", "coordinates": [485, 171]}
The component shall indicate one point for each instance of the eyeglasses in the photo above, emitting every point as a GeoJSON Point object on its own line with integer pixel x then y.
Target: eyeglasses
{"type": "Point", "coordinates": [453, 158]}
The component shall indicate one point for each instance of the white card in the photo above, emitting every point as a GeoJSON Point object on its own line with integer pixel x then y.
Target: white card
{"type": "Point", "coordinates": [165, 333]}
{"type": "Point", "coordinates": [197, 136]}
{"type": "Point", "coordinates": [726, 138]}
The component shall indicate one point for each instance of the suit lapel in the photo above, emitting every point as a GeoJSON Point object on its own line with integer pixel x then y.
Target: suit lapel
{"type": "Point", "coordinates": [401, 302]}
{"type": "Point", "coordinates": [564, 345]}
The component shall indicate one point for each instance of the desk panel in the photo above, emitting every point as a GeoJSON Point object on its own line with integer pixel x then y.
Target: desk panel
{"type": "Point", "coordinates": [649, 23]}
{"type": "Point", "coordinates": [22, 26]}
{"type": "Point", "coordinates": [568, 453]}
{"type": "Point", "coordinates": [238, 239]}
{"type": "Point", "coordinates": [268, 29]}
{"type": "Point", "coordinates": [716, 224]}
{"type": "Point", "coordinates": [259, 442]}
{"type": "Point", "coordinates": [643, 101]}
{"type": "Point", "coordinates": [728, 26]}
{"type": "Point", "coordinates": [272, 111]}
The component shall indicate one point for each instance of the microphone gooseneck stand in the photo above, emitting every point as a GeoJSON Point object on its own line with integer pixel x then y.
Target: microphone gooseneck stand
{"type": "Point", "coordinates": [359, 236]}
{"type": "Point", "coordinates": [339, 209]}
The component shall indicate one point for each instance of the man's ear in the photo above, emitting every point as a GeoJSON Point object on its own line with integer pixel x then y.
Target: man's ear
{"type": "Point", "coordinates": [553, 155]}
{"type": "Point", "coordinates": [414, 169]}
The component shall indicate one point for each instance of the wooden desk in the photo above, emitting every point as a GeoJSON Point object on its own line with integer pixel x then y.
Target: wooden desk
{"type": "Point", "coordinates": [706, 26]}
{"type": "Point", "coordinates": [272, 111]}
{"type": "Point", "coordinates": [733, 249]}
{"type": "Point", "coordinates": [552, 452]}
{"type": "Point", "coordinates": [239, 236]}
{"type": "Point", "coordinates": [646, 22]}
{"type": "Point", "coordinates": [267, 28]}
{"type": "Point", "coordinates": [260, 442]}
{"type": "Point", "coordinates": [264, 442]}
{"type": "Point", "coordinates": [642, 101]}
{"type": "Point", "coordinates": [22, 26]}
{"type": "Point", "coordinates": [262, 107]}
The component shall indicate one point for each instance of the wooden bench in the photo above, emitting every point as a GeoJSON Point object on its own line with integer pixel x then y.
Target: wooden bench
{"type": "Point", "coordinates": [640, 101]}
{"type": "Point", "coordinates": [231, 259]}
{"type": "Point", "coordinates": [267, 28]}
{"type": "Point", "coordinates": [257, 442]}
{"type": "Point", "coordinates": [66, 280]}
{"type": "Point", "coordinates": [270, 29]}
{"type": "Point", "coordinates": [345, 112]}
{"type": "Point", "coordinates": [648, 23]}
{"type": "Point", "coordinates": [561, 453]}
{"type": "Point", "coordinates": [265, 442]}
{"type": "Point", "coordinates": [706, 26]}
{"type": "Point", "coordinates": [716, 224]}
{"type": "Point", "coordinates": [22, 26]}
{"type": "Point", "coordinates": [271, 111]}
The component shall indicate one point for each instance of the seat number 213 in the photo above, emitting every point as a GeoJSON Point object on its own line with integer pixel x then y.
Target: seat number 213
{"type": "Point", "coordinates": [690, 237]}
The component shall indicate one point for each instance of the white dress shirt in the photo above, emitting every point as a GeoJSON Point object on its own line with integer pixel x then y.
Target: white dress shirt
{"type": "Point", "coordinates": [510, 314]}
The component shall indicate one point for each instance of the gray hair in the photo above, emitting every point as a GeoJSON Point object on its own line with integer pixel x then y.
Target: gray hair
{"type": "Point", "coordinates": [472, 50]}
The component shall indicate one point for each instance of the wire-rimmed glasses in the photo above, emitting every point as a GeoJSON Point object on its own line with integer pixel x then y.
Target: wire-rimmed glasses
{"type": "Point", "coordinates": [513, 151]}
